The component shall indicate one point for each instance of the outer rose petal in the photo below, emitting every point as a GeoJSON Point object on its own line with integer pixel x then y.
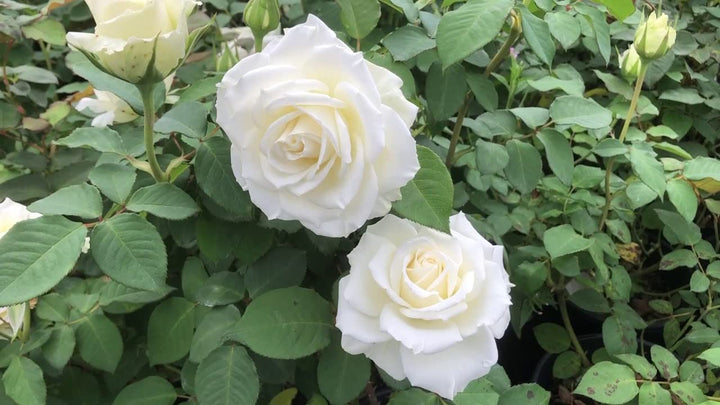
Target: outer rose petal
{"type": "Point", "coordinates": [449, 371]}
{"type": "Point", "coordinates": [353, 322]}
{"type": "Point", "coordinates": [11, 213]}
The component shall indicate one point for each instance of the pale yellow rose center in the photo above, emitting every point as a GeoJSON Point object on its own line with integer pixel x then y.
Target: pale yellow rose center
{"type": "Point", "coordinates": [430, 277]}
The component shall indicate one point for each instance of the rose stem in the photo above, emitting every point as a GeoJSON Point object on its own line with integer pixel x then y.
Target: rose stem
{"type": "Point", "coordinates": [146, 91]}
{"type": "Point", "coordinates": [626, 125]}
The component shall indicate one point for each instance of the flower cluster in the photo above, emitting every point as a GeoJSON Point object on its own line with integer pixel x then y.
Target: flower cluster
{"type": "Point", "coordinates": [653, 39]}
{"type": "Point", "coordinates": [322, 136]}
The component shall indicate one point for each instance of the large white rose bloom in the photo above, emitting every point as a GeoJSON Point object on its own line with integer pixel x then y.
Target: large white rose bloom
{"type": "Point", "coordinates": [128, 32]}
{"type": "Point", "coordinates": [425, 305]}
{"type": "Point", "coordinates": [11, 213]}
{"type": "Point", "coordinates": [318, 134]}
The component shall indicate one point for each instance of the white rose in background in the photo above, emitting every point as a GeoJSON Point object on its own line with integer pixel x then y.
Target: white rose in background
{"type": "Point", "coordinates": [318, 134]}
{"type": "Point", "coordinates": [11, 213]}
{"type": "Point", "coordinates": [110, 109]}
{"type": "Point", "coordinates": [107, 108]}
{"type": "Point", "coordinates": [424, 305]}
{"type": "Point", "coordinates": [239, 42]}
{"type": "Point", "coordinates": [129, 33]}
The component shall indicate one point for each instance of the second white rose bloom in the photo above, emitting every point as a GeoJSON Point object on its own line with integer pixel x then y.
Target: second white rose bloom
{"type": "Point", "coordinates": [128, 34]}
{"type": "Point", "coordinates": [318, 134]}
{"type": "Point", "coordinates": [425, 305]}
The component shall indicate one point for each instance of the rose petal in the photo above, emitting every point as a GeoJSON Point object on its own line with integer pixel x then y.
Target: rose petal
{"type": "Point", "coordinates": [449, 371]}
{"type": "Point", "coordinates": [418, 336]}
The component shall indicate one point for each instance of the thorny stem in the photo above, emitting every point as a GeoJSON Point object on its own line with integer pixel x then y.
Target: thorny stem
{"type": "Point", "coordinates": [149, 110]}
{"type": "Point", "coordinates": [626, 125]}
{"type": "Point", "coordinates": [571, 332]}
{"type": "Point", "coordinates": [502, 53]}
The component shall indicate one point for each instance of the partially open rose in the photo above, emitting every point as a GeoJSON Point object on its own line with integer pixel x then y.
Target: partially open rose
{"type": "Point", "coordinates": [424, 305]}
{"type": "Point", "coordinates": [318, 134]}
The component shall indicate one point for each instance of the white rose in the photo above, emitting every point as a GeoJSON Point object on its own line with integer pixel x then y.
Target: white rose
{"type": "Point", "coordinates": [110, 109]}
{"type": "Point", "coordinates": [318, 134]}
{"type": "Point", "coordinates": [128, 32]}
{"type": "Point", "coordinates": [11, 213]}
{"type": "Point", "coordinates": [424, 305]}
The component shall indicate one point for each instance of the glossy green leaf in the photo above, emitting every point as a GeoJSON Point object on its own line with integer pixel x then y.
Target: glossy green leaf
{"type": "Point", "coordinates": [537, 34]}
{"type": "Point", "coordinates": [608, 383]}
{"type": "Point", "coordinates": [36, 255]}
{"type": "Point", "coordinates": [99, 342]}
{"type": "Point", "coordinates": [188, 118]}
{"type": "Point", "coordinates": [113, 180]}
{"type": "Point", "coordinates": [212, 331]}
{"type": "Point", "coordinates": [82, 200]}
{"type": "Point", "coordinates": [359, 17]}
{"type": "Point", "coordinates": [129, 250]}
{"type": "Point", "coordinates": [216, 179]}
{"type": "Point", "coordinates": [427, 199]}
{"type": "Point", "coordinates": [163, 200]}
{"type": "Point", "coordinates": [559, 154]}
{"type": "Point", "coordinates": [24, 383]}
{"type": "Point", "coordinates": [151, 390]}
{"type": "Point", "coordinates": [170, 330]}
{"type": "Point", "coordinates": [524, 170]}
{"type": "Point", "coordinates": [585, 112]}
{"type": "Point", "coordinates": [227, 376]}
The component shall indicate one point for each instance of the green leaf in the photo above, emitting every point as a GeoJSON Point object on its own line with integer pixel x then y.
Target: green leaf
{"type": "Point", "coordinates": [537, 34]}
{"type": "Point", "coordinates": [490, 158]}
{"type": "Point", "coordinates": [552, 337]}
{"type": "Point", "coordinates": [533, 117]}
{"type": "Point", "coordinates": [665, 361]}
{"type": "Point", "coordinates": [567, 365]}
{"type": "Point", "coordinates": [653, 393]}
{"type": "Point", "coordinates": [650, 171]}
{"type": "Point", "coordinates": [9, 116]}
{"type": "Point", "coordinates": [115, 292]}
{"type": "Point", "coordinates": [619, 336]}
{"type": "Point", "coordinates": [216, 179]}
{"type": "Point", "coordinates": [608, 383]}
{"type": "Point", "coordinates": [341, 376]}
{"type": "Point", "coordinates": [564, 27]}
{"type": "Point", "coordinates": [470, 27]}
{"type": "Point", "coordinates": [47, 30]}
{"type": "Point", "coordinates": [101, 139]}
{"type": "Point", "coordinates": [610, 147]}
{"type": "Point", "coordinates": [678, 258]}
{"type": "Point", "coordinates": [37, 254]}
{"type": "Point", "coordinates": [590, 300]}
{"type": "Point", "coordinates": [691, 371]}
{"type": "Point", "coordinates": [414, 396]}
{"type": "Point", "coordinates": [407, 42]}
{"type": "Point", "coordinates": [212, 331]}
{"type": "Point", "coordinates": [151, 390]}
{"type": "Point", "coordinates": [221, 288]}
{"type": "Point", "coordinates": [170, 330]}
{"type": "Point", "coordinates": [163, 200]}
{"type": "Point", "coordinates": [685, 232]}
{"type": "Point", "coordinates": [445, 90]}
{"type": "Point", "coordinates": [59, 348]}
{"type": "Point", "coordinates": [620, 9]}
{"type": "Point", "coordinates": [427, 199]}
{"type": "Point", "coordinates": [712, 356]}
{"type": "Point", "coordinates": [24, 383]}
{"type": "Point", "coordinates": [682, 95]}
{"type": "Point", "coordinates": [484, 90]}
{"type": "Point", "coordinates": [129, 250]}
{"type": "Point", "coordinates": [99, 342]}
{"type": "Point", "coordinates": [699, 282]}
{"type": "Point", "coordinates": [188, 118]}
{"type": "Point", "coordinates": [559, 154]}
{"type": "Point", "coordinates": [287, 323]}
{"type": "Point", "coordinates": [528, 394]}
{"type": "Point", "coordinates": [32, 74]}
{"type": "Point", "coordinates": [702, 168]}
{"type": "Point", "coordinates": [525, 167]}
{"type": "Point", "coordinates": [682, 196]}
{"type": "Point", "coordinates": [615, 85]}
{"type": "Point", "coordinates": [227, 376]}
{"type": "Point", "coordinates": [688, 392]}
{"type": "Point", "coordinates": [82, 200]}
{"type": "Point", "coordinates": [281, 267]}
{"type": "Point", "coordinates": [359, 17]}
{"type": "Point", "coordinates": [600, 27]}
{"type": "Point", "coordinates": [585, 112]}
{"type": "Point", "coordinates": [639, 364]}
{"type": "Point", "coordinates": [563, 240]}
{"type": "Point", "coordinates": [254, 242]}
{"type": "Point", "coordinates": [113, 180]}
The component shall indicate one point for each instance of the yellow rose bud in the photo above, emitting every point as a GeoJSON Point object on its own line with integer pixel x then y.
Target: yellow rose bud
{"type": "Point", "coordinates": [630, 63]}
{"type": "Point", "coordinates": [654, 37]}
{"type": "Point", "coordinates": [262, 16]}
